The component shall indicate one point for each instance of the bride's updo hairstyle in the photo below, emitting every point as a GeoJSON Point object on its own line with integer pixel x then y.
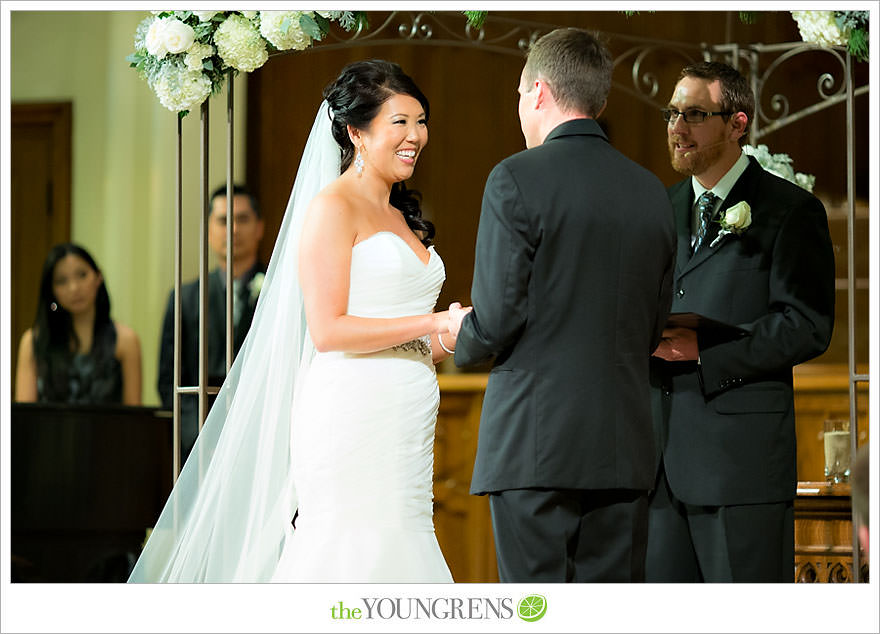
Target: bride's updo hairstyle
{"type": "Point", "coordinates": [355, 98]}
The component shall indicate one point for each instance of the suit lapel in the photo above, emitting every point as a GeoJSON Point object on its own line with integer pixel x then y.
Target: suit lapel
{"type": "Point", "coordinates": [742, 190]}
{"type": "Point", "coordinates": [682, 201]}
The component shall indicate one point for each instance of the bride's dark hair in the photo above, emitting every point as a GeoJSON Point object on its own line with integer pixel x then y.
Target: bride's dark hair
{"type": "Point", "coordinates": [355, 98]}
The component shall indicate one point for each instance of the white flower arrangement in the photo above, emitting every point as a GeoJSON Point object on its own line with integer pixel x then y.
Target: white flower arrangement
{"type": "Point", "coordinates": [185, 55]}
{"type": "Point", "coordinates": [780, 164]}
{"type": "Point", "coordinates": [736, 220]}
{"type": "Point", "coordinates": [281, 29]}
{"type": "Point", "coordinates": [819, 27]}
{"type": "Point", "coordinates": [835, 28]}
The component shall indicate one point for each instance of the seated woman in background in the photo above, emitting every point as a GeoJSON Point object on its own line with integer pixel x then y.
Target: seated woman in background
{"type": "Point", "coordinates": [75, 353]}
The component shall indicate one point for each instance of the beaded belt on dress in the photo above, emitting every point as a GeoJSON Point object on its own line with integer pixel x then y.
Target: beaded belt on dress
{"type": "Point", "coordinates": [422, 345]}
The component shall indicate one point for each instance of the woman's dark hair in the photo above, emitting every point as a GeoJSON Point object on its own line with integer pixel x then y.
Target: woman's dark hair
{"type": "Point", "coordinates": [54, 337]}
{"type": "Point", "coordinates": [355, 98]}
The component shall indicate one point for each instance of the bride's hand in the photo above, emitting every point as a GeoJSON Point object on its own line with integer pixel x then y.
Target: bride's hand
{"type": "Point", "coordinates": [456, 315]}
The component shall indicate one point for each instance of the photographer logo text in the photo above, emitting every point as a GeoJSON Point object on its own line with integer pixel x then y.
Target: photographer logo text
{"type": "Point", "coordinates": [530, 608]}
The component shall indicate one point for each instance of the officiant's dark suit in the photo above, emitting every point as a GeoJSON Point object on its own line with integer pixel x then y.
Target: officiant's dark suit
{"type": "Point", "coordinates": [247, 233]}
{"type": "Point", "coordinates": [571, 290]}
{"type": "Point", "coordinates": [722, 510]}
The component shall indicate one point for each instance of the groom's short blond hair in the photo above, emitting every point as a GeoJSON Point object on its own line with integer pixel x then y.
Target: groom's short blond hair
{"type": "Point", "coordinates": [577, 67]}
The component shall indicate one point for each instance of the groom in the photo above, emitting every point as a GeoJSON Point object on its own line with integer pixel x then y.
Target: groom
{"type": "Point", "coordinates": [572, 287]}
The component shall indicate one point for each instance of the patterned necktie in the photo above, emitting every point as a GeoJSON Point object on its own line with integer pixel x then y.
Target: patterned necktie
{"type": "Point", "coordinates": [706, 207]}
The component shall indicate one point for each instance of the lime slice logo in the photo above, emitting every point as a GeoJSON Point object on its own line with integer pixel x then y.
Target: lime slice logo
{"type": "Point", "coordinates": [532, 607]}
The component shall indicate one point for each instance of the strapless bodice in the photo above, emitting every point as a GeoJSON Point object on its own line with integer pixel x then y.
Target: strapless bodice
{"type": "Point", "coordinates": [388, 279]}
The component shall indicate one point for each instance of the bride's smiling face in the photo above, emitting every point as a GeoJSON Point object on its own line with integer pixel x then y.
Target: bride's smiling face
{"type": "Point", "coordinates": [396, 136]}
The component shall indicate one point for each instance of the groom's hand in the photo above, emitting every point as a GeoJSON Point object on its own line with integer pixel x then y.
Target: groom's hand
{"type": "Point", "coordinates": [456, 314]}
{"type": "Point", "coordinates": [678, 344]}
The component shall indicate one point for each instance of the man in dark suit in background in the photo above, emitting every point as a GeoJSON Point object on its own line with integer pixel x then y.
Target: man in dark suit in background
{"type": "Point", "coordinates": [757, 254]}
{"type": "Point", "coordinates": [571, 291]}
{"type": "Point", "coordinates": [247, 274]}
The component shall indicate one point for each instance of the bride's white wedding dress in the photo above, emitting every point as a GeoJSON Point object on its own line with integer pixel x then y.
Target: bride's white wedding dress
{"type": "Point", "coordinates": [347, 439]}
{"type": "Point", "coordinates": [362, 438]}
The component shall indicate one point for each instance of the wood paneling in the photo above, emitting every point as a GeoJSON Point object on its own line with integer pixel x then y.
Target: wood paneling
{"type": "Point", "coordinates": [462, 521]}
{"type": "Point", "coordinates": [823, 535]}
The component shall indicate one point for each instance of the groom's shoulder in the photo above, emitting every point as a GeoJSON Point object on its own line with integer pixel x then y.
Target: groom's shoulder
{"type": "Point", "coordinates": [676, 188]}
{"type": "Point", "coordinates": [516, 164]}
{"type": "Point", "coordinates": [528, 158]}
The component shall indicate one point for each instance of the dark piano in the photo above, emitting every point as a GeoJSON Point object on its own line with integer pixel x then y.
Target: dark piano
{"type": "Point", "coordinates": [87, 482]}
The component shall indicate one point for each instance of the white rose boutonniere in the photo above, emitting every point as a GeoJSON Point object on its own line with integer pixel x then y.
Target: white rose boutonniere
{"type": "Point", "coordinates": [735, 220]}
{"type": "Point", "coordinates": [255, 286]}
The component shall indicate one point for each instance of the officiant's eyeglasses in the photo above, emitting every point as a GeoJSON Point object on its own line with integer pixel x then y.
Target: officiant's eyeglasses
{"type": "Point", "coordinates": [692, 115]}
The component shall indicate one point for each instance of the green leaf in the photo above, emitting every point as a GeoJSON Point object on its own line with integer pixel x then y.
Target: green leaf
{"type": "Point", "coordinates": [203, 30]}
{"type": "Point", "coordinates": [363, 22]}
{"type": "Point", "coordinates": [323, 23]}
{"type": "Point", "coordinates": [182, 113]}
{"type": "Point", "coordinates": [310, 27]}
{"type": "Point", "coordinates": [476, 18]}
{"type": "Point", "coordinates": [207, 64]}
{"type": "Point", "coordinates": [858, 44]}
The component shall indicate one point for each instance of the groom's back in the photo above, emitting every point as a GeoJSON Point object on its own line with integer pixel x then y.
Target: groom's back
{"type": "Point", "coordinates": [601, 237]}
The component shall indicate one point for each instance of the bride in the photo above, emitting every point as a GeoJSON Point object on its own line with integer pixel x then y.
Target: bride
{"type": "Point", "coordinates": [328, 412]}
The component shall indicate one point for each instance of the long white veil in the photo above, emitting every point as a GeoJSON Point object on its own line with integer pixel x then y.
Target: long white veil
{"type": "Point", "coordinates": [226, 518]}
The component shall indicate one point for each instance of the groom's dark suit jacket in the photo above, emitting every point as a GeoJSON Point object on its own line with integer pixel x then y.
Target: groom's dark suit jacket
{"type": "Point", "coordinates": [571, 291]}
{"type": "Point", "coordinates": [726, 427]}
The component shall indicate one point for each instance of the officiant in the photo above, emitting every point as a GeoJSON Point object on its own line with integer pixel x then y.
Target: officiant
{"type": "Point", "coordinates": [247, 278]}
{"type": "Point", "coordinates": [754, 251]}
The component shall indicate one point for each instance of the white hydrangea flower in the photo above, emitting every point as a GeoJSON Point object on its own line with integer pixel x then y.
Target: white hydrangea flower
{"type": "Point", "coordinates": [196, 55]}
{"type": "Point", "coordinates": [819, 27]}
{"type": "Point", "coordinates": [155, 39]}
{"type": "Point", "coordinates": [805, 180]}
{"type": "Point", "coordinates": [179, 88]}
{"type": "Point", "coordinates": [780, 165]}
{"type": "Point", "coordinates": [271, 28]}
{"type": "Point", "coordinates": [250, 15]}
{"type": "Point", "coordinates": [239, 44]}
{"type": "Point", "coordinates": [205, 16]}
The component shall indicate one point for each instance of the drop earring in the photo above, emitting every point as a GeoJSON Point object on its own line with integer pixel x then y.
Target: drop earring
{"type": "Point", "coordinates": [53, 307]}
{"type": "Point", "coordinates": [359, 163]}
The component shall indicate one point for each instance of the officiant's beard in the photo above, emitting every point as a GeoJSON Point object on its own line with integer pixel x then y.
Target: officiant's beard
{"type": "Point", "coordinates": [697, 161]}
